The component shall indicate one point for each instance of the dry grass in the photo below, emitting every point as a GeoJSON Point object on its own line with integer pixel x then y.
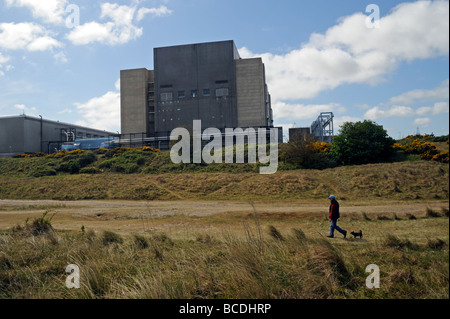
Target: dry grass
{"type": "Point", "coordinates": [395, 181]}
{"type": "Point", "coordinates": [241, 258]}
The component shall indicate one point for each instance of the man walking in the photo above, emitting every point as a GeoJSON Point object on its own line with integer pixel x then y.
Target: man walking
{"type": "Point", "coordinates": [334, 216]}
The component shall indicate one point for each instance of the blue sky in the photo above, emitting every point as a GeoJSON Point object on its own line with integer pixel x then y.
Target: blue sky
{"type": "Point", "coordinates": [320, 56]}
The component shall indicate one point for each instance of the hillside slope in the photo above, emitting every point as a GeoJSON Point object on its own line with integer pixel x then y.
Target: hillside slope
{"type": "Point", "coordinates": [420, 180]}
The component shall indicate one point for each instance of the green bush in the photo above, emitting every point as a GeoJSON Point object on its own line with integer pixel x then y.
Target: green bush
{"type": "Point", "coordinates": [71, 167]}
{"type": "Point", "coordinates": [43, 170]}
{"type": "Point", "coordinates": [362, 143]}
{"type": "Point", "coordinates": [86, 158]}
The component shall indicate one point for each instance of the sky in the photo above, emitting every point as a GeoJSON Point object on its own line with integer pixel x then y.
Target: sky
{"type": "Point", "coordinates": [385, 61]}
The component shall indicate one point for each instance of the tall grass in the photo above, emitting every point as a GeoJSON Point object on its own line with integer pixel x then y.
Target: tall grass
{"type": "Point", "coordinates": [246, 263]}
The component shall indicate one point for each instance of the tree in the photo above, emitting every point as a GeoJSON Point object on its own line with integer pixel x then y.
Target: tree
{"type": "Point", "coordinates": [362, 143]}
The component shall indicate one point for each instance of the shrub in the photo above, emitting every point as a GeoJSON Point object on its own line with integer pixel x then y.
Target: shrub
{"type": "Point", "coordinates": [436, 244]}
{"type": "Point", "coordinates": [362, 143]}
{"type": "Point", "coordinates": [432, 214]}
{"type": "Point", "coordinates": [299, 234]}
{"type": "Point", "coordinates": [87, 158]}
{"type": "Point", "coordinates": [73, 167]}
{"type": "Point", "coordinates": [43, 170]}
{"type": "Point", "coordinates": [110, 237]}
{"type": "Point", "coordinates": [395, 242]}
{"type": "Point", "coordinates": [306, 153]}
{"type": "Point", "coordinates": [275, 233]}
{"type": "Point", "coordinates": [421, 145]}
{"type": "Point", "coordinates": [41, 225]}
{"type": "Point", "coordinates": [441, 157]}
{"type": "Point", "coordinates": [140, 241]}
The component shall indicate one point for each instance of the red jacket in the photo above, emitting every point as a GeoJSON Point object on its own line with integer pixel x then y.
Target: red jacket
{"type": "Point", "coordinates": [334, 210]}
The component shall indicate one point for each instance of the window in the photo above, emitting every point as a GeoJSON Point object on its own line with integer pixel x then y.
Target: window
{"type": "Point", "coordinates": [194, 93]}
{"type": "Point", "coordinates": [181, 95]}
{"type": "Point", "coordinates": [206, 92]}
{"type": "Point", "coordinates": [166, 97]}
{"type": "Point", "coordinates": [222, 92]}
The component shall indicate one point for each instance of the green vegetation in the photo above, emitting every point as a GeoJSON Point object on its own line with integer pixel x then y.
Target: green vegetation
{"type": "Point", "coordinates": [424, 146]}
{"type": "Point", "coordinates": [362, 143]}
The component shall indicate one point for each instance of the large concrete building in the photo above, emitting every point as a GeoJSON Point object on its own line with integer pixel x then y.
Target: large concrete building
{"type": "Point", "coordinates": [27, 134]}
{"type": "Point", "coordinates": [208, 82]}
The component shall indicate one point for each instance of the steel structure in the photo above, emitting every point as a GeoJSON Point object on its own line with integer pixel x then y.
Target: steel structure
{"type": "Point", "coordinates": [323, 127]}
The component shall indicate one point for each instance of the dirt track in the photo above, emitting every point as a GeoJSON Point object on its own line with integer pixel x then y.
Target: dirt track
{"type": "Point", "coordinates": [128, 215]}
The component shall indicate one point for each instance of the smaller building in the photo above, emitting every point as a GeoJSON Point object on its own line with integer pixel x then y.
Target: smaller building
{"type": "Point", "coordinates": [300, 133]}
{"type": "Point", "coordinates": [25, 134]}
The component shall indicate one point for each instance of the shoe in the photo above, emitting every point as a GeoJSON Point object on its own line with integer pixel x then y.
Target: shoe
{"type": "Point", "coordinates": [345, 234]}
{"type": "Point", "coordinates": [330, 236]}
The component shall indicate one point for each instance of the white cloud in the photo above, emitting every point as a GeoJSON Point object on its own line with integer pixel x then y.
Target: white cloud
{"type": "Point", "coordinates": [26, 36]}
{"type": "Point", "coordinates": [65, 111]}
{"type": "Point", "coordinates": [439, 93]}
{"type": "Point", "coordinates": [3, 59]}
{"type": "Point", "coordinates": [438, 108]}
{"type": "Point", "coordinates": [298, 112]}
{"type": "Point", "coordinates": [349, 52]}
{"type": "Point", "coordinates": [60, 57]}
{"type": "Point", "coordinates": [101, 112]}
{"type": "Point", "coordinates": [422, 121]}
{"type": "Point", "coordinates": [121, 15]}
{"type": "Point", "coordinates": [376, 112]}
{"type": "Point", "coordinates": [162, 11]}
{"type": "Point", "coordinates": [340, 120]}
{"type": "Point", "coordinates": [51, 11]}
{"type": "Point", "coordinates": [25, 109]}
{"type": "Point", "coordinates": [121, 29]}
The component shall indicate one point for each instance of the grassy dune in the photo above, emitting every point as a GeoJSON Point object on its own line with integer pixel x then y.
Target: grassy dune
{"type": "Point", "coordinates": [397, 181]}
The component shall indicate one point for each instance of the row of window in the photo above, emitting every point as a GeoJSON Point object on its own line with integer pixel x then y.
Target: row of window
{"type": "Point", "coordinates": [168, 96]}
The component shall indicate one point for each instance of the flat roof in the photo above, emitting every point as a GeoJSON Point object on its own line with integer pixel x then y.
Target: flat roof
{"type": "Point", "coordinates": [201, 43]}
{"type": "Point", "coordinates": [28, 117]}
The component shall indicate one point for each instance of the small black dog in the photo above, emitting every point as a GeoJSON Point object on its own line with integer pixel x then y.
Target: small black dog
{"type": "Point", "coordinates": [355, 234]}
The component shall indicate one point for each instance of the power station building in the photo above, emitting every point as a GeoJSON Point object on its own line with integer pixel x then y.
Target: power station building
{"type": "Point", "coordinates": [27, 134]}
{"type": "Point", "coordinates": [207, 81]}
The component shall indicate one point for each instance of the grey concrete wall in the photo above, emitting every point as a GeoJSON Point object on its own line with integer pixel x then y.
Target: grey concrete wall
{"type": "Point", "coordinates": [300, 133]}
{"type": "Point", "coordinates": [250, 85]}
{"type": "Point", "coordinates": [195, 67]}
{"type": "Point", "coordinates": [11, 136]}
{"type": "Point", "coordinates": [133, 99]}
{"type": "Point", "coordinates": [22, 134]}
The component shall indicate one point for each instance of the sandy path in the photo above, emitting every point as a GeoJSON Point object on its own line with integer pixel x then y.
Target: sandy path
{"type": "Point", "coordinates": [122, 215]}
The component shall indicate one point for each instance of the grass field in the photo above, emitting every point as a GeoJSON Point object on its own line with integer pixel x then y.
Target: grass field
{"type": "Point", "coordinates": [227, 235]}
{"type": "Point", "coordinates": [246, 254]}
